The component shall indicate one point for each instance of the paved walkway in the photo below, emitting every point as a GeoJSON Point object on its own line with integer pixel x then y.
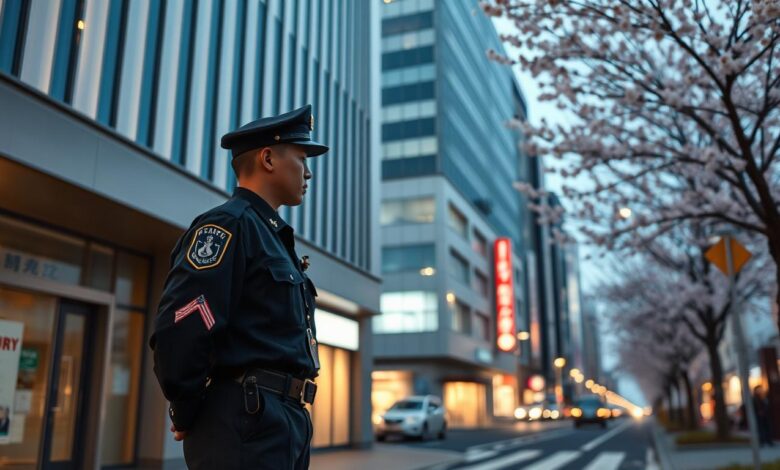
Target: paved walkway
{"type": "Point", "coordinates": [394, 457]}
{"type": "Point", "coordinates": [673, 458]}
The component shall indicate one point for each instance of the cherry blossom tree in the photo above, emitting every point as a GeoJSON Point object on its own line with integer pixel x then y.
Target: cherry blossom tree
{"type": "Point", "coordinates": [671, 301]}
{"type": "Point", "coordinates": [674, 110]}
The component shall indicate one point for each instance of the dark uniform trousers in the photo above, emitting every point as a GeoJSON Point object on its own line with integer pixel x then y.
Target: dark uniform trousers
{"type": "Point", "coordinates": [226, 436]}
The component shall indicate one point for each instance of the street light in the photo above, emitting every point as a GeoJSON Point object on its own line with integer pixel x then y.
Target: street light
{"type": "Point", "coordinates": [574, 373]}
{"type": "Point", "coordinates": [625, 212]}
{"type": "Point", "coordinates": [524, 336]}
{"type": "Point", "coordinates": [589, 384]}
{"type": "Point", "coordinates": [559, 362]}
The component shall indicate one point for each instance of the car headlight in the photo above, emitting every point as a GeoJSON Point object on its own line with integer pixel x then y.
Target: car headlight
{"type": "Point", "coordinates": [576, 412]}
{"type": "Point", "coordinates": [603, 413]}
{"type": "Point", "coordinates": [412, 419]}
{"type": "Point", "coordinates": [554, 414]}
{"type": "Point", "coordinates": [521, 413]}
{"type": "Point", "coordinates": [535, 413]}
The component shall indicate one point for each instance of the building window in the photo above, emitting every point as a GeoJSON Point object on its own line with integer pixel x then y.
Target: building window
{"type": "Point", "coordinates": [408, 211]}
{"type": "Point", "coordinates": [457, 221]}
{"type": "Point", "coordinates": [398, 259]}
{"type": "Point", "coordinates": [481, 284]}
{"type": "Point", "coordinates": [406, 93]}
{"type": "Point", "coordinates": [479, 243]}
{"type": "Point", "coordinates": [461, 317]}
{"type": "Point", "coordinates": [410, 148]}
{"type": "Point", "coordinates": [459, 268]}
{"type": "Point", "coordinates": [408, 40]}
{"type": "Point", "coordinates": [407, 111]}
{"type": "Point", "coordinates": [402, 24]}
{"type": "Point", "coordinates": [407, 312]}
{"type": "Point", "coordinates": [482, 326]}
{"type": "Point", "coordinates": [408, 129]}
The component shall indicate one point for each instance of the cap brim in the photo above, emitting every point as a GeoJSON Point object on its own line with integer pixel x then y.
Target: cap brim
{"type": "Point", "coordinates": [313, 149]}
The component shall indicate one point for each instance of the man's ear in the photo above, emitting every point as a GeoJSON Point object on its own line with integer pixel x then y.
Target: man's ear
{"type": "Point", "coordinates": [266, 158]}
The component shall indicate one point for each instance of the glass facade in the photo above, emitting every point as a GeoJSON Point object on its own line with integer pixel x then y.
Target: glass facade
{"type": "Point", "coordinates": [174, 76]}
{"type": "Point", "coordinates": [407, 312]}
{"type": "Point", "coordinates": [28, 249]}
{"type": "Point", "coordinates": [408, 211]}
{"type": "Point", "coordinates": [408, 258]}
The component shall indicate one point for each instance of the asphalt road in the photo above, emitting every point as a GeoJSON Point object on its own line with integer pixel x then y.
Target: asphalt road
{"type": "Point", "coordinates": [625, 445]}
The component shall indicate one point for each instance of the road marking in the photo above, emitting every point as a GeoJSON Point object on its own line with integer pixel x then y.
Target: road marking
{"type": "Point", "coordinates": [519, 441]}
{"type": "Point", "coordinates": [604, 437]}
{"type": "Point", "coordinates": [607, 461]}
{"type": "Point", "coordinates": [473, 456]}
{"type": "Point", "coordinates": [556, 460]}
{"type": "Point", "coordinates": [650, 463]}
{"type": "Point", "coordinates": [505, 461]}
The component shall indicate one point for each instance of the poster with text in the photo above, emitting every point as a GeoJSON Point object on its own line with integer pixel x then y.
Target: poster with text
{"type": "Point", "coordinates": [10, 350]}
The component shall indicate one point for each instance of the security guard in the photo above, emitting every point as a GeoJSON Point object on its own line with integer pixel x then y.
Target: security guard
{"type": "Point", "coordinates": [235, 347]}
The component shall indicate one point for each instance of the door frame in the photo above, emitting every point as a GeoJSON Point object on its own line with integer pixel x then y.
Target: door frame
{"type": "Point", "coordinates": [97, 367]}
{"type": "Point", "coordinates": [64, 307]}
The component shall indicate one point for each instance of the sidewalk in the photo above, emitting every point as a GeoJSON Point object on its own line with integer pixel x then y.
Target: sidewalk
{"type": "Point", "coordinates": [672, 458]}
{"type": "Point", "coordinates": [382, 456]}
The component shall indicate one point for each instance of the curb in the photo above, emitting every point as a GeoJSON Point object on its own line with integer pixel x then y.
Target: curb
{"type": "Point", "coordinates": [661, 450]}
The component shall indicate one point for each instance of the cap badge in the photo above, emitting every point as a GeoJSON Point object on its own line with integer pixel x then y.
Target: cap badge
{"type": "Point", "coordinates": [311, 122]}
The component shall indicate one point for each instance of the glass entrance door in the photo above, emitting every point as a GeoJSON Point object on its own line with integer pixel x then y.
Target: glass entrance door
{"type": "Point", "coordinates": [69, 387]}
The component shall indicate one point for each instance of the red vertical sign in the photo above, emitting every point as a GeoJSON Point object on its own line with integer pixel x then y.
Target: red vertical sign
{"type": "Point", "coordinates": [506, 337]}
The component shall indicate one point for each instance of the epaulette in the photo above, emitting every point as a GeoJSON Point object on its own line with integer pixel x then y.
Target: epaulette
{"type": "Point", "coordinates": [233, 206]}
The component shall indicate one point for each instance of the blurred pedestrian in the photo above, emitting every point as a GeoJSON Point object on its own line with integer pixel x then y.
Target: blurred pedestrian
{"type": "Point", "coordinates": [763, 416]}
{"type": "Point", "coordinates": [235, 347]}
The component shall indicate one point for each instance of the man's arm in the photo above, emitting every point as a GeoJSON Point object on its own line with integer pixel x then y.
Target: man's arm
{"type": "Point", "coordinates": [200, 291]}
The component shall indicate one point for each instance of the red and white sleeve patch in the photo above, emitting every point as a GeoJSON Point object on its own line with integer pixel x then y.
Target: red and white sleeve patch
{"type": "Point", "coordinates": [197, 305]}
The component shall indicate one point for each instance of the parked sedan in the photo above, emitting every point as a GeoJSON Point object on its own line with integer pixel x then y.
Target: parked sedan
{"type": "Point", "coordinates": [590, 409]}
{"type": "Point", "coordinates": [416, 416]}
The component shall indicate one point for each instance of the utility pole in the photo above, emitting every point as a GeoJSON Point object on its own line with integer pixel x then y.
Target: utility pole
{"type": "Point", "coordinates": [741, 351]}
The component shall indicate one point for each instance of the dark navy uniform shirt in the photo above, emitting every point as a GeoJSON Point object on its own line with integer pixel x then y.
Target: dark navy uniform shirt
{"type": "Point", "coordinates": [236, 298]}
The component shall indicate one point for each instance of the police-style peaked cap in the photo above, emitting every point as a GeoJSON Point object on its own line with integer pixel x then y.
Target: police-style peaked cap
{"type": "Point", "coordinates": [290, 128]}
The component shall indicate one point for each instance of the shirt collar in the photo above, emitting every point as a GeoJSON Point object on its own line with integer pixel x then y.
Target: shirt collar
{"type": "Point", "coordinates": [267, 213]}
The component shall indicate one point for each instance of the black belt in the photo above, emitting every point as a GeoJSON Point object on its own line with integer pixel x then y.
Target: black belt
{"type": "Point", "coordinates": [302, 391]}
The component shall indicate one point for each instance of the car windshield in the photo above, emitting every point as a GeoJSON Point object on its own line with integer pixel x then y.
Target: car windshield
{"type": "Point", "coordinates": [408, 405]}
{"type": "Point", "coordinates": [589, 403]}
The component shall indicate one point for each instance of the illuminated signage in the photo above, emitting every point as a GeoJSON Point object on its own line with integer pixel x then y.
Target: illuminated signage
{"type": "Point", "coordinates": [505, 296]}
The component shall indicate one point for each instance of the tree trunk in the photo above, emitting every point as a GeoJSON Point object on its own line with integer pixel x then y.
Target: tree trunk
{"type": "Point", "coordinates": [691, 421]}
{"type": "Point", "coordinates": [677, 407]}
{"type": "Point", "coordinates": [774, 251]}
{"type": "Point", "coordinates": [716, 371]}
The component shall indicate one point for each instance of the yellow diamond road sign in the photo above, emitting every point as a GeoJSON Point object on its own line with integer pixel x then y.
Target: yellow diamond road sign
{"type": "Point", "coordinates": [717, 255]}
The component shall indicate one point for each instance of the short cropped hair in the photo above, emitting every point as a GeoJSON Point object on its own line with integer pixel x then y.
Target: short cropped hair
{"type": "Point", "coordinates": [243, 163]}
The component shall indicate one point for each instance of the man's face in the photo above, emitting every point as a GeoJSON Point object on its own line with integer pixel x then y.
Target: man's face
{"type": "Point", "coordinates": [292, 173]}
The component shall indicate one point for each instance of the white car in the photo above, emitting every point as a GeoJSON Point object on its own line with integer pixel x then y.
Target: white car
{"type": "Point", "coordinates": [416, 416]}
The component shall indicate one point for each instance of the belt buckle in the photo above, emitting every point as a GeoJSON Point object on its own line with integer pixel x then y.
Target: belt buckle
{"type": "Point", "coordinates": [306, 382]}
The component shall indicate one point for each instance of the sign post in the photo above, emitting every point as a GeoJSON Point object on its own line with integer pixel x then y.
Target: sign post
{"type": "Point", "coordinates": [730, 256]}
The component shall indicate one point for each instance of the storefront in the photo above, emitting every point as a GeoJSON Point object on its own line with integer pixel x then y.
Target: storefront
{"type": "Point", "coordinates": [332, 411]}
{"type": "Point", "coordinates": [471, 400]}
{"type": "Point", "coordinates": [80, 308]}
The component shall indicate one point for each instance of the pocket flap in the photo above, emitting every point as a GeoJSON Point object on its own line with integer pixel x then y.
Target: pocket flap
{"type": "Point", "coordinates": [285, 272]}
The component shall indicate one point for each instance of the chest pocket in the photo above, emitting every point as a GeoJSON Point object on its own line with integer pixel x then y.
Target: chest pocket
{"type": "Point", "coordinates": [288, 287]}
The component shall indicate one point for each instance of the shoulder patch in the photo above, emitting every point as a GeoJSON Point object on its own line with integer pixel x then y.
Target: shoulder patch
{"type": "Point", "coordinates": [208, 246]}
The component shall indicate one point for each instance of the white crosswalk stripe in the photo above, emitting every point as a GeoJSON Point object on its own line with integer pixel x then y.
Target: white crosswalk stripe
{"type": "Point", "coordinates": [505, 461]}
{"type": "Point", "coordinates": [607, 461]}
{"type": "Point", "coordinates": [556, 460]}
